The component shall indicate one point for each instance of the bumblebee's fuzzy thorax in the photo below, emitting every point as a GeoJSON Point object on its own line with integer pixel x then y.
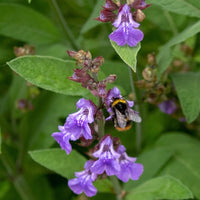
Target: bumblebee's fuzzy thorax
{"type": "Point", "coordinates": [121, 117]}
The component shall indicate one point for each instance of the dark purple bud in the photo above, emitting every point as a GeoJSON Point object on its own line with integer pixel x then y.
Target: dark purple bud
{"type": "Point", "coordinates": [98, 61]}
{"type": "Point", "coordinates": [80, 76]}
{"type": "Point", "coordinates": [24, 105]}
{"type": "Point", "coordinates": [106, 16]}
{"type": "Point", "coordinates": [110, 5]}
{"type": "Point", "coordinates": [72, 53]}
{"type": "Point", "coordinates": [140, 4]}
{"type": "Point", "coordinates": [101, 89]}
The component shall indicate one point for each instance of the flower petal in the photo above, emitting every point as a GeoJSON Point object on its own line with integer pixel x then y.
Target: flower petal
{"type": "Point", "coordinates": [118, 36]}
{"type": "Point", "coordinates": [134, 36]}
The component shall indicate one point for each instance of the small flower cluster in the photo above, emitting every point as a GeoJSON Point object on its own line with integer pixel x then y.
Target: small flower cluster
{"type": "Point", "coordinates": [111, 161]}
{"type": "Point", "coordinates": [87, 74]}
{"type": "Point", "coordinates": [108, 157]}
{"type": "Point", "coordinates": [124, 21]}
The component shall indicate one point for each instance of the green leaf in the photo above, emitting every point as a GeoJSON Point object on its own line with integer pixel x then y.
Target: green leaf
{"type": "Point", "coordinates": [91, 22]}
{"type": "Point", "coordinates": [165, 187]}
{"type": "Point", "coordinates": [164, 59]}
{"type": "Point", "coordinates": [49, 73]}
{"type": "Point", "coordinates": [153, 160]}
{"type": "Point", "coordinates": [104, 185]}
{"type": "Point", "coordinates": [165, 56]}
{"type": "Point", "coordinates": [185, 34]}
{"type": "Point", "coordinates": [187, 87]}
{"type": "Point", "coordinates": [4, 187]}
{"type": "Point", "coordinates": [185, 163]}
{"type": "Point", "coordinates": [119, 69]}
{"type": "Point", "coordinates": [167, 21]}
{"type": "Point", "coordinates": [27, 25]}
{"type": "Point", "coordinates": [58, 161]}
{"type": "Point", "coordinates": [183, 7]}
{"type": "Point", "coordinates": [127, 54]}
{"type": "Point", "coordinates": [0, 140]}
{"type": "Point", "coordinates": [57, 50]}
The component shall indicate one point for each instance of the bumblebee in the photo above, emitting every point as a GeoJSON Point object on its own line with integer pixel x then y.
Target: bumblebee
{"type": "Point", "coordinates": [123, 114]}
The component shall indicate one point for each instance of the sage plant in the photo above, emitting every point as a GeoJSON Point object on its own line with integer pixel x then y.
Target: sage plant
{"type": "Point", "coordinates": [108, 156]}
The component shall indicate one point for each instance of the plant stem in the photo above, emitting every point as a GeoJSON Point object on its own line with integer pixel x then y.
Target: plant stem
{"type": "Point", "coordinates": [133, 76]}
{"type": "Point", "coordinates": [18, 181]}
{"type": "Point", "coordinates": [117, 187]}
{"type": "Point", "coordinates": [64, 25]}
{"type": "Point", "coordinates": [100, 122]}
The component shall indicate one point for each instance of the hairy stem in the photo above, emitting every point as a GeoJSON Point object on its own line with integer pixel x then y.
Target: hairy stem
{"type": "Point", "coordinates": [64, 25]}
{"type": "Point", "coordinates": [100, 122]}
{"type": "Point", "coordinates": [133, 78]}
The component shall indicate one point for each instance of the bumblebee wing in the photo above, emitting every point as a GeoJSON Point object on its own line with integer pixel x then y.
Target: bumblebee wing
{"type": "Point", "coordinates": [121, 119]}
{"type": "Point", "coordinates": [133, 116]}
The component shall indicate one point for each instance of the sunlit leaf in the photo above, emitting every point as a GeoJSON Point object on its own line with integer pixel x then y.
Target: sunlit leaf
{"type": "Point", "coordinates": [165, 53]}
{"type": "Point", "coordinates": [153, 160]}
{"type": "Point", "coordinates": [184, 165]}
{"type": "Point", "coordinates": [187, 87]}
{"type": "Point", "coordinates": [127, 54]}
{"type": "Point", "coordinates": [166, 187]}
{"type": "Point", "coordinates": [183, 7]}
{"type": "Point", "coordinates": [58, 161]}
{"type": "Point", "coordinates": [49, 73]}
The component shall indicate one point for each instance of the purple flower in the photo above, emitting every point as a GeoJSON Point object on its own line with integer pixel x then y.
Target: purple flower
{"type": "Point", "coordinates": [63, 138]}
{"type": "Point", "coordinates": [107, 158]}
{"type": "Point", "coordinates": [168, 106]}
{"type": "Point", "coordinates": [126, 32]}
{"type": "Point", "coordinates": [83, 182]}
{"type": "Point", "coordinates": [128, 167]}
{"type": "Point", "coordinates": [76, 125]}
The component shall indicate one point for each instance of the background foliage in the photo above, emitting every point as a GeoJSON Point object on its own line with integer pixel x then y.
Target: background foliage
{"type": "Point", "coordinates": [32, 167]}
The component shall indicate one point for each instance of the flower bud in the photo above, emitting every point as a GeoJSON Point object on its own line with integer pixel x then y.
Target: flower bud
{"type": "Point", "coordinates": [25, 50]}
{"type": "Point", "coordinates": [151, 59]}
{"type": "Point", "coordinates": [148, 74]}
{"type": "Point", "coordinates": [139, 16]}
{"type": "Point", "coordinates": [71, 53]}
{"type": "Point", "coordinates": [160, 89]}
{"type": "Point", "coordinates": [186, 49]}
{"type": "Point", "coordinates": [98, 61]}
{"type": "Point", "coordinates": [139, 4]}
{"type": "Point", "coordinates": [132, 97]}
{"type": "Point", "coordinates": [81, 56]}
{"type": "Point", "coordinates": [111, 78]}
{"type": "Point", "coordinates": [110, 5]}
{"type": "Point", "coordinates": [177, 63]}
